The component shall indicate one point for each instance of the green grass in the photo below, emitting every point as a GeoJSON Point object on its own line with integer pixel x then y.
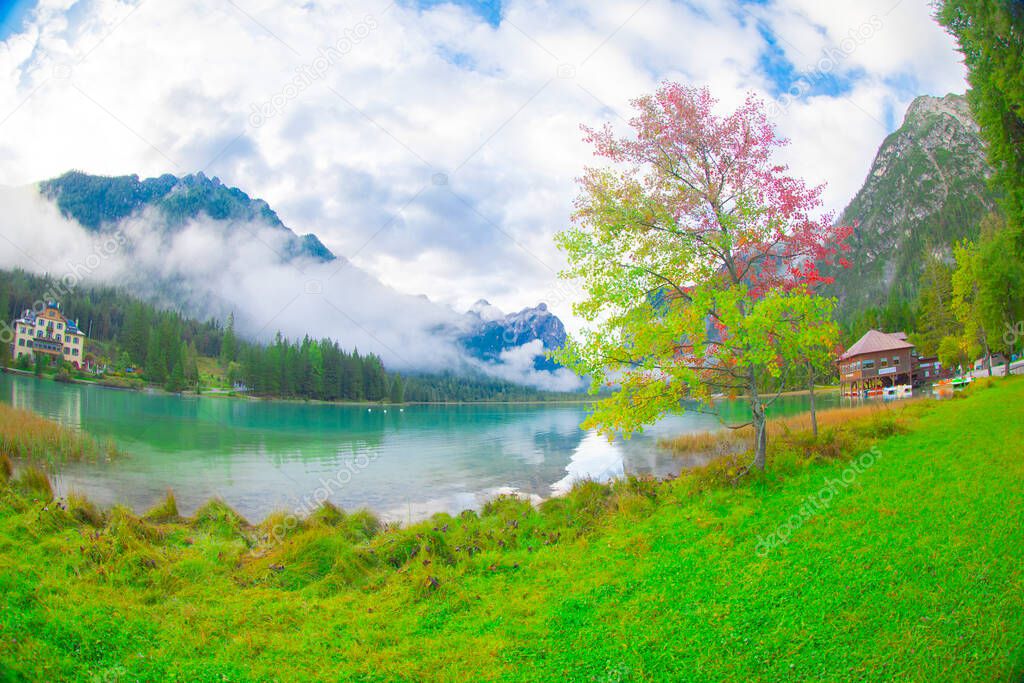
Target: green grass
{"type": "Point", "coordinates": [913, 572]}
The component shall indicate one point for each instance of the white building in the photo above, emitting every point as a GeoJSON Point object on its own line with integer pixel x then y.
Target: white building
{"type": "Point", "coordinates": [49, 333]}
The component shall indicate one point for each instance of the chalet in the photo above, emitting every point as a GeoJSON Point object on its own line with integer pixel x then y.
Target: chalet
{"type": "Point", "coordinates": [49, 334]}
{"type": "Point", "coordinates": [927, 369]}
{"type": "Point", "coordinates": [878, 360]}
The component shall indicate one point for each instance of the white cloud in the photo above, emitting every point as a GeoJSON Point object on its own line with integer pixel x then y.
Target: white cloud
{"type": "Point", "coordinates": [116, 87]}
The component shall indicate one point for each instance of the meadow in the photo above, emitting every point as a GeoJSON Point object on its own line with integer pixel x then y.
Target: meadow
{"type": "Point", "coordinates": [887, 548]}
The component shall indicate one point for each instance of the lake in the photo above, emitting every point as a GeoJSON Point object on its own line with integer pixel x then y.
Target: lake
{"type": "Point", "coordinates": [403, 463]}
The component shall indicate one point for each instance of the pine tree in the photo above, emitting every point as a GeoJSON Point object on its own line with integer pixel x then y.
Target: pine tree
{"type": "Point", "coordinates": [176, 380]}
{"type": "Point", "coordinates": [229, 344]}
{"type": "Point", "coordinates": [156, 362]}
{"type": "Point", "coordinates": [397, 389]}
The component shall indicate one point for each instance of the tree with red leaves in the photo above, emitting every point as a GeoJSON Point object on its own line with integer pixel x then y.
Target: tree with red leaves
{"type": "Point", "coordinates": [698, 255]}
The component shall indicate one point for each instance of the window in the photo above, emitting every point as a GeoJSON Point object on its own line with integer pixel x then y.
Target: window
{"type": "Point", "coordinates": [868, 364]}
{"type": "Point", "coordinates": [60, 326]}
{"type": "Point", "coordinates": [74, 352]}
{"type": "Point", "coordinates": [895, 360]}
{"type": "Point", "coordinates": [77, 340]}
{"type": "Point", "coordinates": [21, 342]}
{"type": "Point", "coordinates": [885, 362]}
{"type": "Point", "coordinates": [58, 338]}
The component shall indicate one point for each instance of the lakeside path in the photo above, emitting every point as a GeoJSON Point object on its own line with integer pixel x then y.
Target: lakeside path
{"type": "Point", "coordinates": [910, 568]}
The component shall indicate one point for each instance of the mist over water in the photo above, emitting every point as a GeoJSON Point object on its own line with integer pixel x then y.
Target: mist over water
{"type": "Point", "coordinates": [209, 269]}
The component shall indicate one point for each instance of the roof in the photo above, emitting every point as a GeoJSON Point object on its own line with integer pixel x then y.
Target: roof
{"type": "Point", "coordinates": [876, 342]}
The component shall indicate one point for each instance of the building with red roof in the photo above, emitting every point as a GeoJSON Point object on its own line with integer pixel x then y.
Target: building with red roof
{"type": "Point", "coordinates": [876, 361]}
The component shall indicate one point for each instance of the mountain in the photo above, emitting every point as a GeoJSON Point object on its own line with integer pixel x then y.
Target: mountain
{"type": "Point", "coordinates": [198, 246]}
{"type": "Point", "coordinates": [927, 189]}
{"type": "Point", "coordinates": [494, 333]}
{"type": "Point", "coordinates": [96, 201]}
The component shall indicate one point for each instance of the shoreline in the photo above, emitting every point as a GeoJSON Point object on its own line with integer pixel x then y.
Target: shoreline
{"type": "Point", "coordinates": [155, 390]}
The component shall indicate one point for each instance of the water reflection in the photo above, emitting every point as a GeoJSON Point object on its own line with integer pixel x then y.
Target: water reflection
{"type": "Point", "coordinates": [266, 456]}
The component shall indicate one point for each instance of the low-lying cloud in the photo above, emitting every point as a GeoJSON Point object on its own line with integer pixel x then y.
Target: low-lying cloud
{"type": "Point", "coordinates": [209, 268]}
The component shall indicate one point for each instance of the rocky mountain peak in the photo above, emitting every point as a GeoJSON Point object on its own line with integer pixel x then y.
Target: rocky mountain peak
{"type": "Point", "coordinates": [927, 188]}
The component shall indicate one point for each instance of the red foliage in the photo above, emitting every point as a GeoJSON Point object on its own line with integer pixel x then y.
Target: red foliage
{"type": "Point", "coordinates": [715, 178]}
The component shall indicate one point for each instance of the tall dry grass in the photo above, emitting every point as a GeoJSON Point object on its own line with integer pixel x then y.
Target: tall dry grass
{"type": "Point", "coordinates": [733, 441]}
{"type": "Point", "coordinates": [29, 437]}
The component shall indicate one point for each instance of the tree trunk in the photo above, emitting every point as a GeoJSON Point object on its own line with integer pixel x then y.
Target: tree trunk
{"type": "Point", "coordinates": [760, 426]}
{"type": "Point", "coordinates": [988, 358]}
{"type": "Point", "coordinates": [814, 413]}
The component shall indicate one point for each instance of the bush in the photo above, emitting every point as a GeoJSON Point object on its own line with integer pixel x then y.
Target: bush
{"type": "Point", "coordinates": [218, 518]}
{"type": "Point", "coordinates": [82, 509]}
{"type": "Point", "coordinates": [164, 511]}
{"type": "Point", "coordinates": [34, 480]}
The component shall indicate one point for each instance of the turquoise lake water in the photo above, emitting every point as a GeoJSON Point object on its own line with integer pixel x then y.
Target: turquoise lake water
{"type": "Point", "coordinates": [261, 456]}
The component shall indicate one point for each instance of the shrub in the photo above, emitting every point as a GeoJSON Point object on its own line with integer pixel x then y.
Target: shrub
{"type": "Point", "coordinates": [34, 480]}
{"type": "Point", "coordinates": [82, 509]}
{"type": "Point", "coordinates": [218, 518]}
{"type": "Point", "coordinates": [6, 467]}
{"type": "Point", "coordinates": [164, 511]}
{"type": "Point", "coordinates": [328, 514]}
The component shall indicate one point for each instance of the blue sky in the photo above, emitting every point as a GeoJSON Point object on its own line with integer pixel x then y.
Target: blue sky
{"type": "Point", "coordinates": [489, 10]}
{"type": "Point", "coordinates": [438, 151]}
{"type": "Point", "coordinates": [12, 15]}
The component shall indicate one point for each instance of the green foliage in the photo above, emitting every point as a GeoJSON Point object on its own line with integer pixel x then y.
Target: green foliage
{"type": "Point", "coordinates": [164, 511]}
{"type": "Point", "coordinates": [229, 345]}
{"type": "Point", "coordinates": [150, 340]}
{"type": "Point", "coordinates": [397, 394]}
{"type": "Point", "coordinates": [1001, 285]}
{"type": "Point", "coordinates": [991, 37]}
{"type": "Point", "coordinates": [36, 482]}
{"type": "Point", "coordinates": [690, 282]}
{"type": "Point", "coordinates": [988, 290]}
{"type": "Point", "coordinates": [904, 222]}
{"type": "Point", "coordinates": [935, 318]}
{"type": "Point", "coordinates": [952, 353]}
{"type": "Point", "coordinates": [634, 581]}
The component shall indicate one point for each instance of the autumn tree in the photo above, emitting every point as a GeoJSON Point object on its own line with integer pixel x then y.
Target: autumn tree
{"type": "Point", "coordinates": [698, 254]}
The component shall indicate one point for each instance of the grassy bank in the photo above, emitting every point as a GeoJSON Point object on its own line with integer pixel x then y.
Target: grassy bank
{"type": "Point", "coordinates": [28, 437]}
{"type": "Point", "coordinates": [909, 568]}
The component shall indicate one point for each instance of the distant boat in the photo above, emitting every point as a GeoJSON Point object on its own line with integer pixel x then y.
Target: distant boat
{"type": "Point", "coordinates": [898, 391]}
{"type": "Point", "coordinates": [954, 383]}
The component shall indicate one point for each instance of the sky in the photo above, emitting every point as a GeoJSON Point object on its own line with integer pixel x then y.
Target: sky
{"type": "Point", "coordinates": [435, 144]}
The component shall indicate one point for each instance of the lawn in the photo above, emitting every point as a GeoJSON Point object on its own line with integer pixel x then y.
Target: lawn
{"type": "Point", "coordinates": [891, 548]}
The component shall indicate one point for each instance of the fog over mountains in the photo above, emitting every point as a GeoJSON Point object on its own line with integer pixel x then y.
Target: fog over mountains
{"type": "Point", "coordinates": [199, 246]}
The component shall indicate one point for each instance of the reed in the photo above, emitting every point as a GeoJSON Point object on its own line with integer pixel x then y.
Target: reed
{"type": "Point", "coordinates": [164, 511]}
{"type": "Point", "coordinates": [733, 441]}
{"type": "Point", "coordinates": [36, 482]}
{"type": "Point", "coordinates": [83, 509]}
{"type": "Point", "coordinates": [6, 467]}
{"type": "Point", "coordinates": [27, 436]}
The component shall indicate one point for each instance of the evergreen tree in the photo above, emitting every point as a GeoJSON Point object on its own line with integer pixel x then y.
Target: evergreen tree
{"type": "Point", "coordinates": [176, 380]}
{"type": "Point", "coordinates": [935, 318]}
{"type": "Point", "coordinates": [5, 317]}
{"type": "Point", "coordinates": [397, 389]}
{"type": "Point", "coordinates": [136, 336]}
{"type": "Point", "coordinates": [991, 38]}
{"type": "Point", "coordinates": [229, 344]}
